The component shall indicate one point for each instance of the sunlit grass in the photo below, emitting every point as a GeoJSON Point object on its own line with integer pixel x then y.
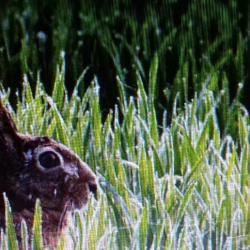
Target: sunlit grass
{"type": "Point", "coordinates": [182, 184]}
{"type": "Point", "coordinates": [172, 157]}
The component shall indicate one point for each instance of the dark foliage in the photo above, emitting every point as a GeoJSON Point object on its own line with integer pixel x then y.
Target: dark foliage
{"type": "Point", "coordinates": [120, 38]}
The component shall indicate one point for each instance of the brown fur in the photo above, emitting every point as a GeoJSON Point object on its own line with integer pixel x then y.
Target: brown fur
{"type": "Point", "coordinates": [24, 179]}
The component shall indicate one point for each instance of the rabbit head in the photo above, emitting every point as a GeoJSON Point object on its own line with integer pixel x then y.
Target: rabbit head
{"type": "Point", "coordinates": [34, 167]}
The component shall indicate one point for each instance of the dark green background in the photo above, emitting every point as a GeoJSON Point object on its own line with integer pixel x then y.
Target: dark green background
{"type": "Point", "coordinates": [120, 38]}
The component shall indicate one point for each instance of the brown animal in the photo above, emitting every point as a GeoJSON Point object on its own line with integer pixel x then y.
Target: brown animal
{"type": "Point", "coordinates": [34, 167]}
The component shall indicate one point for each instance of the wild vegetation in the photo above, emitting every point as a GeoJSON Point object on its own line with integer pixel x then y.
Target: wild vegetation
{"type": "Point", "coordinates": [120, 38]}
{"type": "Point", "coordinates": [172, 153]}
{"type": "Point", "coordinates": [184, 187]}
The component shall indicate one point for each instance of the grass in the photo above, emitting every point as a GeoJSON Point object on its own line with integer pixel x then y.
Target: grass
{"type": "Point", "coordinates": [112, 39]}
{"type": "Point", "coordinates": [183, 183]}
{"type": "Point", "coordinates": [172, 155]}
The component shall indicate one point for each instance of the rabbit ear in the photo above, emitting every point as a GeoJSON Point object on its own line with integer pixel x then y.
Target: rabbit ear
{"type": "Point", "coordinates": [8, 131]}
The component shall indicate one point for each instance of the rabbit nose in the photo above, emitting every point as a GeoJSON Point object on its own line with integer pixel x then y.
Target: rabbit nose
{"type": "Point", "coordinates": [88, 177]}
{"type": "Point", "coordinates": [93, 188]}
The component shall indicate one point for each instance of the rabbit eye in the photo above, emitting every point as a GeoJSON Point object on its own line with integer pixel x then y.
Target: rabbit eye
{"type": "Point", "coordinates": [49, 159]}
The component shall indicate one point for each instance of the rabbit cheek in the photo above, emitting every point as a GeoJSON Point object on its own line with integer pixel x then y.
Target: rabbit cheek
{"type": "Point", "coordinates": [74, 190]}
{"type": "Point", "coordinates": [46, 188]}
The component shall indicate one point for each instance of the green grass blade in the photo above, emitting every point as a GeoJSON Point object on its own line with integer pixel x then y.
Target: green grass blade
{"type": "Point", "coordinates": [10, 228]}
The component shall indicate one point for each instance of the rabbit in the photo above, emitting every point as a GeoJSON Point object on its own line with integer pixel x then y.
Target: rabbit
{"type": "Point", "coordinates": [38, 167]}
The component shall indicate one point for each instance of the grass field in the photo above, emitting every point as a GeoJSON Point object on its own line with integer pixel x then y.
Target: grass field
{"type": "Point", "coordinates": [182, 185]}
{"type": "Point", "coordinates": [158, 107]}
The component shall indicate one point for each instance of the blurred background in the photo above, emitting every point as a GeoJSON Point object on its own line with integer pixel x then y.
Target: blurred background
{"type": "Point", "coordinates": [194, 41]}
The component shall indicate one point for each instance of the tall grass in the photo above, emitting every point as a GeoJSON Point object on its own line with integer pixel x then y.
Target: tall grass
{"type": "Point", "coordinates": [182, 184]}
{"type": "Point", "coordinates": [172, 156]}
{"type": "Point", "coordinates": [120, 38]}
